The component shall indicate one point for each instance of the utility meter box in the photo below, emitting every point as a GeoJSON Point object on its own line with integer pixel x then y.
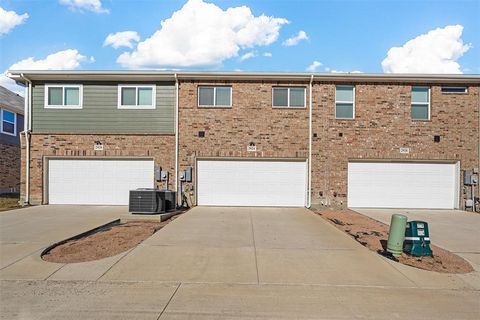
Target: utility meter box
{"type": "Point", "coordinates": [417, 239]}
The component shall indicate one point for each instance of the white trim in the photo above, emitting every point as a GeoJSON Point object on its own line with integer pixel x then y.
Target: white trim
{"type": "Point", "coordinates": [214, 105]}
{"type": "Point", "coordinates": [63, 86]}
{"type": "Point", "coordinates": [14, 134]}
{"type": "Point", "coordinates": [136, 106]}
{"type": "Point", "coordinates": [457, 185]}
{"type": "Point", "coordinates": [345, 102]}
{"type": "Point", "coordinates": [288, 97]}
{"type": "Point", "coordinates": [428, 104]}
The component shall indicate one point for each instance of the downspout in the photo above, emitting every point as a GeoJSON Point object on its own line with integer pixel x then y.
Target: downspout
{"type": "Point", "coordinates": [26, 132]}
{"type": "Point", "coordinates": [310, 112]}
{"type": "Point", "coordinates": [176, 136]}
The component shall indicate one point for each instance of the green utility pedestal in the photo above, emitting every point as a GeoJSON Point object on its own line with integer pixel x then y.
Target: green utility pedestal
{"type": "Point", "coordinates": [417, 239]}
{"type": "Point", "coordinates": [396, 234]}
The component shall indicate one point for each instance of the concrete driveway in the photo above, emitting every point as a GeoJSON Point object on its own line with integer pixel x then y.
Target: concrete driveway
{"type": "Point", "coordinates": [455, 230]}
{"type": "Point", "coordinates": [243, 263]}
{"type": "Point", "coordinates": [25, 233]}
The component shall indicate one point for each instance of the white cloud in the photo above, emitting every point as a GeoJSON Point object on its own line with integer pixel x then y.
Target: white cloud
{"type": "Point", "coordinates": [293, 41]}
{"type": "Point", "coordinates": [201, 34]}
{"type": "Point", "coordinates": [63, 60]}
{"type": "Point", "coordinates": [10, 19]}
{"type": "Point", "coordinates": [85, 5]}
{"type": "Point", "coordinates": [437, 51]}
{"type": "Point", "coordinates": [314, 66]}
{"type": "Point", "coordinates": [267, 54]}
{"type": "Point", "coordinates": [122, 39]}
{"type": "Point", "coordinates": [248, 55]}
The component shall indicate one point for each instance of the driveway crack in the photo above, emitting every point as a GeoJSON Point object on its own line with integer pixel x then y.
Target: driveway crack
{"type": "Point", "coordinates": [254, 247]}
{"type": "Point", "coordinates": [169, 300]}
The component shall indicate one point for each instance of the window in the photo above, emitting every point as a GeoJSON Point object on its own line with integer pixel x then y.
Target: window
{"type": "Point", "coordinates": [215, 96]}
{"type": "Point", "coordinates": [136, 96]}
{"type": "Point", "coordinates": [63, 96]}
{"type": "Point", "coordinates": [420, 103]}
{"type": "Point", "coordinates": [344, 102]}
{"type": "Point", "coordinates": [293, 97]}
{"type": "Point", "coordinates": [454, 89]}
{"type": "Point", "coordinates": [9, 122]}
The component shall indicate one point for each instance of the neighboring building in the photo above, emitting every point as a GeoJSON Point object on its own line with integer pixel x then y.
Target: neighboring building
{"type": "Point", "coordinates": [253, 139]}
{"type": "Point", "coordinates": [11, 124]}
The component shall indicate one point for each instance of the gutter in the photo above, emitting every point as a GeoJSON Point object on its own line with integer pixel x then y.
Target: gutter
{"type": "Point", "coordinates": [146, 75]}
{"type": "Point", "coordinates": [26, 131]}
{"type": "Point", "coordinates": [176, 134]}
{"type": "Point", "coordinates": [310, 129]}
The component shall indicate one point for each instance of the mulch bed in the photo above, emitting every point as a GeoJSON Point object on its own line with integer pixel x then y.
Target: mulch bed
{"type": "Point", "coordinates": [106, 242]}
{"type": "Point", "coordinates": [374, 235]}
{"type": "Point", "coordinates": [8, 202]}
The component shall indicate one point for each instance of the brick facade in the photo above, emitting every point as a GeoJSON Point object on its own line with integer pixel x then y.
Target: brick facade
{"type": "Point", "coordinates": [9, 168]}
{"type": "Point", "coordinates": [160, 147]}
{"type": "Point", "coordinates": [276, 132]}
{"type": "Point", "coordinates": [382, 125]}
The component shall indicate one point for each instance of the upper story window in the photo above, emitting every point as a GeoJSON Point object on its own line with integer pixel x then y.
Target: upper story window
{"type": "Point", "coordinates": [288, 97]}
{"type": "Point", "coordinates": [9, 122]}
{"type": "Point", "coordinates": [214, 96]}
{"type": "Point", "coordinates": [420, 103]}
{"type": "Point", "coordinates": [68, 96]}
{"type": "Point", "coordinates": [344, 102]}
{"type": "Point", "coordinates": [454, 90]}
{"type": "Point", "coordinates": [136, 96]}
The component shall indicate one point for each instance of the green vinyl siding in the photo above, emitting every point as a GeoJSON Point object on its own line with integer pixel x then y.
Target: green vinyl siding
{"type": "Point", "coordinates": [100, 113]}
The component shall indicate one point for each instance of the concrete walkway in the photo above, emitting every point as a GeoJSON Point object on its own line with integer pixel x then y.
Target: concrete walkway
{"type": "Point", "coordinates": [243, 263]}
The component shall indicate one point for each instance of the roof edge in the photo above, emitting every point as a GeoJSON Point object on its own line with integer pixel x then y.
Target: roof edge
{"type": "Point", "coordinates": [150, 75]}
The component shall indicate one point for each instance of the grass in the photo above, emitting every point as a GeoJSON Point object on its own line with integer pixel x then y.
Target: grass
{"type": "Point", "coordinates": [9, 202]}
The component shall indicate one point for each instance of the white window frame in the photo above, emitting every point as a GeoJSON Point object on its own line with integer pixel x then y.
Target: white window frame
{"type": "Point", "coordinates": [288, 97]}
{"type": "Point", "coordinates": [214, 97]}
{"type": "Point", "coordinates": [136, 106]}
{"type": "Point", "coordinates": [14, 123]}
{"type": "Point", "coordinates": [463, 87]}
{"type": "Point", "coordinates": [63, 86]}
{"type": "Point", "coordinates": [429, 103]}
{"type": "Point", "coordinates": [344, 102]}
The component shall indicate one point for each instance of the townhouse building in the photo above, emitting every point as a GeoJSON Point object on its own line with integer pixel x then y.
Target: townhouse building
{"type": "Point", "coordinates": [11, 124]}
{"type": "Point", "coordinates": [251, 139]}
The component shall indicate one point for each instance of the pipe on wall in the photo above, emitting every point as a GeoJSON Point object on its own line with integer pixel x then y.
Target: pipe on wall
{"type": "Point", "coordinates": [176, 135]}
{"type": "Point", "coordinates": [26, 131]}
{"type": "Point", "coordinates": [310, 112]}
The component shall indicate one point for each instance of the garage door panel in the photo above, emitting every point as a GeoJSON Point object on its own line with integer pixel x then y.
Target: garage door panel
{"type": "Point", "coordinates": [99, 182]}
{"type": "Point", "coordinates": [251, 183]}
{"type": "Point", "coordinates": [402, 185]}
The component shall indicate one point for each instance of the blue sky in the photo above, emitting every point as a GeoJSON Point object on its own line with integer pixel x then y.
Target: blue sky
{"type": "Point", "coordinates": [339, 35]}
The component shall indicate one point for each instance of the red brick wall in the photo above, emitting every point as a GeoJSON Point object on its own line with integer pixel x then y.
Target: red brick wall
{"type": "Point", "coordinates": [382, 125]}
{"type": "Point", "coordinates": [160, 147]}
{"type": "Point", "coordinates": [277, 133]}
{"type": "Point", "coordinates": [9, 168]}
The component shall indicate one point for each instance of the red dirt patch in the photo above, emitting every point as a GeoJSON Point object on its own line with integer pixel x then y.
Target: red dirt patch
{"type": "Point", "coordinates": [106, 242]}
{"type": "Point", "coordinates": [374, 235]}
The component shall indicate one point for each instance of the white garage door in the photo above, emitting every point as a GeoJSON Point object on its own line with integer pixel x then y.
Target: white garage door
{"type": "Point", "coordinates": [403, 185]}
{"type": "Point", "coordinates": [251, 183]}
{"type": "Point", "coordinates": [101, 182]}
